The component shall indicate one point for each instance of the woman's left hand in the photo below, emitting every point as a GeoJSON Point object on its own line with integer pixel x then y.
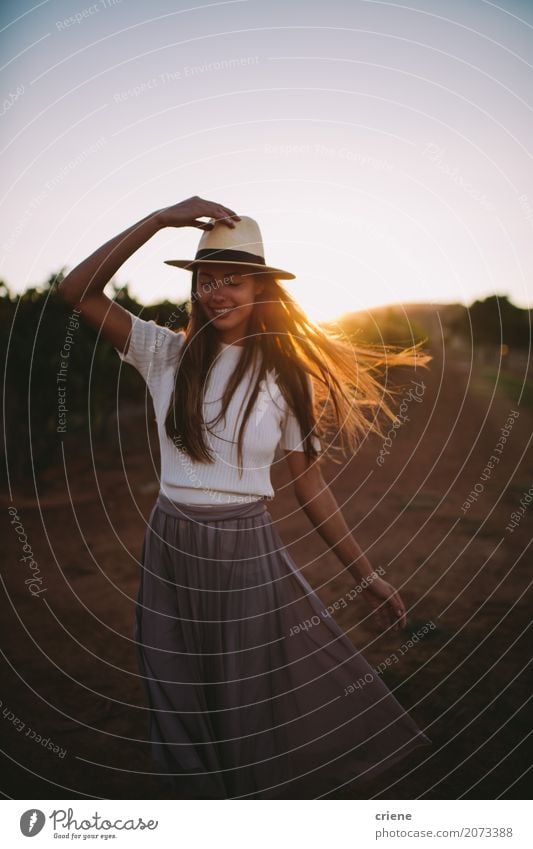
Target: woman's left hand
{"type": "Point", "coordinates": [386, 602]}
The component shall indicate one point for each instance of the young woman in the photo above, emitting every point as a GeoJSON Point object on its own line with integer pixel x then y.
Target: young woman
{"type": "Point", "coordinates": [253, 689]}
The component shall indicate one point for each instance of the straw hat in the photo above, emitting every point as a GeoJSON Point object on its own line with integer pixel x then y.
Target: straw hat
{"type": "Point", "coordinates": [240, 245]}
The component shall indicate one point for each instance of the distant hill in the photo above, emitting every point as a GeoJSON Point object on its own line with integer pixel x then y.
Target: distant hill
{"type": "Point", "coordinates": [492, 321]}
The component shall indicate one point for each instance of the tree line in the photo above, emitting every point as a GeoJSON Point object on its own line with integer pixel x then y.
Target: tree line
{"type": "Point", "coordinates": [43, 341]}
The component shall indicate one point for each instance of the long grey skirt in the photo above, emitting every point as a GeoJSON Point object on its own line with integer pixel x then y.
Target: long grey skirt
{"type": "Point", "coordinates": [250, 684]}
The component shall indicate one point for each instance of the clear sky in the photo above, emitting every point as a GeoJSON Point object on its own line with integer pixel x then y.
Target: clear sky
{"type": "Point", "coordinates": [385, 148]}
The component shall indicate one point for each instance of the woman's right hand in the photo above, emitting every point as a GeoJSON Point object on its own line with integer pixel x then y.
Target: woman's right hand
{"type": "Point", "coordinates": [185, 213]}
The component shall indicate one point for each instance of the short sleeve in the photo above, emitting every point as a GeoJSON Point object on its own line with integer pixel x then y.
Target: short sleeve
{"type": "Point", "coordinates": [152, 348]}
{"type": "Point", "coordinates": [291, 434]}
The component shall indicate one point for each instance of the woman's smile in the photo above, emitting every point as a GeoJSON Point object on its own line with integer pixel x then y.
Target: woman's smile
{"type": "Point", "coordinates": [222, 311]}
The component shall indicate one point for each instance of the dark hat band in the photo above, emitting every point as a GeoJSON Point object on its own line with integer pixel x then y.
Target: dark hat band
{"type": "Point", "coordinates": [228, 255]}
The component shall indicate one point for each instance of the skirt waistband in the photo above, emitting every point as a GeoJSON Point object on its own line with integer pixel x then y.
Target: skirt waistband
{"type": "Point", "coordinates": [210, 512]}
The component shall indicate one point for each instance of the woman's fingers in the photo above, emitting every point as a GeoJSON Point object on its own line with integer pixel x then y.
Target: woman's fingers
{"type": "Point", "coordinates": [230, 212]}
{"type": "Point", "coordinates": [397, 608]}
{"type": "Point", "coordinates": [224, 213]}
{"type": "Point", "coordinates": [188, 212]}
{"type": "Point", "coordinates": [388, 607]}
{"type": "Point", "coordinates": [392, 612]}
{"type": "Point", "coordinates": [221, 213]}
{"type": "Point", "coordinates": [227, 215]}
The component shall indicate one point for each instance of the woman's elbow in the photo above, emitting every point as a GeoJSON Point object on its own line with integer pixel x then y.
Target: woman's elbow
{"type": "Point", "coordinates": [68, 291]}
{"type": "Point", "coordinates": [308, 487]}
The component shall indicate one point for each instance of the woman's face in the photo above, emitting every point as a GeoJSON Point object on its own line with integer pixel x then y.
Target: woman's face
{"type": "Point", "coordinates": [226, 296]}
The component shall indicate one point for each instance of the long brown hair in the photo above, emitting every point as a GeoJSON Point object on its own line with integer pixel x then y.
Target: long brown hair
{"type": "Point", "coordinates": [342, 383]}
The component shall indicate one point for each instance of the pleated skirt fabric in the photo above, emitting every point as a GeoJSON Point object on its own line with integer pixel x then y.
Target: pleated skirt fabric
{"type": "Point", "coordinates": [242, 701]}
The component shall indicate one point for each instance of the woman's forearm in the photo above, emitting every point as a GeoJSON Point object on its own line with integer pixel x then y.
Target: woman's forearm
{"type": "Point", "coordinates": [323, 511]}
{"type": "Point", "coordinates": [92, 275]}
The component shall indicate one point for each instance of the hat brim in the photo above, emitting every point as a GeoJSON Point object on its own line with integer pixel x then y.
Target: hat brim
{"type": "Point", "coordinates": [190, 264]}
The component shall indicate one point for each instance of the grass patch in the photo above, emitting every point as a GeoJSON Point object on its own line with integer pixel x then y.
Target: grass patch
{"type": "Point", "coordinates": [512, 386]}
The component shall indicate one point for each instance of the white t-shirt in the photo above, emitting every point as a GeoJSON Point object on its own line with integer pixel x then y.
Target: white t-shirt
{"type": "Point", "coordinates": [154, 351]}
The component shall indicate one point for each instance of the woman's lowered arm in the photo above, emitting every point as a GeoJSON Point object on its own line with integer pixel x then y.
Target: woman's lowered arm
{"type": "Point", "coordinates": [320, 506]}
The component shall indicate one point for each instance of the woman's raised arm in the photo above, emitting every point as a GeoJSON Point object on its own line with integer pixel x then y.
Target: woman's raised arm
{"type": "Point", "coordinates": [84, 286]}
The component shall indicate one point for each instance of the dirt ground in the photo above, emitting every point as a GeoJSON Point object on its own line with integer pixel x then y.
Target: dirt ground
{"type": "Point", "coordinates": [68, 663]}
